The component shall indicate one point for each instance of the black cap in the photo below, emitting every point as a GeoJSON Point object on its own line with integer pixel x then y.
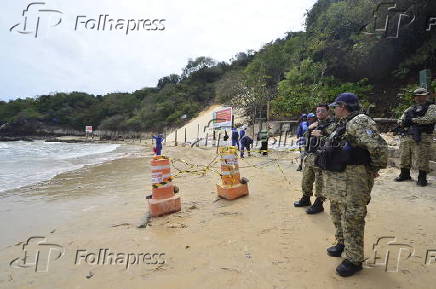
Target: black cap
{"type": "Point", "coordinates": [346, 98]}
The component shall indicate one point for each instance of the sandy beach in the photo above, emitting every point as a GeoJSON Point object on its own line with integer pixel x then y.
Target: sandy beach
{"type": "Point", "coordinates": [259, 241]}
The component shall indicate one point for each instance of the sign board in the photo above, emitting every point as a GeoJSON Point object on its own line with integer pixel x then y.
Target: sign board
{"type": "Point", "coordinates": [425, 78]}
{"type": "Point", "coordinates": [88, 129]}
{"type": "Point", "coordinates": [222, 118]}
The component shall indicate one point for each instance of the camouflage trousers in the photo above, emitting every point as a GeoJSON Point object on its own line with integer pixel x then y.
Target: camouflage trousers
{"type": "Point", "coordinates": [415, 154]}
{"type": "Point", "coordinates": [311, 174]}
{"type": "Point", "coordinates": [349, 194]}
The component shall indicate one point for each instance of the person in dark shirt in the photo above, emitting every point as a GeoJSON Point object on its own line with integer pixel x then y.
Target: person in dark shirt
{"type": "Point", "coordinates": [235, 137]}
{"type": "Point", "coordinates": [158, 147]}
{"type": "Point", "coordinates": [306, 119]}
{"type": "Point", "coordinates": [246, 142]}
{"type": "Point", "coordinates": [226, 136]}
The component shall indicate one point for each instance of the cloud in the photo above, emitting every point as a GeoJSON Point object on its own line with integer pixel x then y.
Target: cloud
{"type": "Point", "coordinates": [62, 59]}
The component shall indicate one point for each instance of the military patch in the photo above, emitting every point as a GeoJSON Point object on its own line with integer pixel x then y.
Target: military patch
{"type": "Point", "coordinates": [370, 132]}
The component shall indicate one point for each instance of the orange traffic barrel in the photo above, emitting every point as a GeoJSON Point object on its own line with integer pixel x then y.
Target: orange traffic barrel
{"type": "Point", "coordinates": [163, 199]}
{"type": "Point", "coordinates": [231, 186]}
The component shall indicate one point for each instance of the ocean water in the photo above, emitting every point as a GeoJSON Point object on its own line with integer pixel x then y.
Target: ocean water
{"type": "Point", "coordinates": [26, 163]}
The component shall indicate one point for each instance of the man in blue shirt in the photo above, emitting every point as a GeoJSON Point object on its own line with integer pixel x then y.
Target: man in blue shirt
{"type": "Point", "coordinates": [235, 137]}
{"type": "Point", "coordinates": [158, 148]}
{"type": "Point", "coordinates": [246, 142]}
{"type": "Point", "coordinates": [242, 132]}
{"type": "Point", "coordinates": [302, 128]}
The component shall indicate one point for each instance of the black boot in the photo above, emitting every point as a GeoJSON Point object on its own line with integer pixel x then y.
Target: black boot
{"type": "Point", "coordinates": [316, 207]}
{"type": "Point", "coordinates": [422, 179]}
{"type": "Point", "coordinates": [336, 250]}
{"type": "Point", "coordinates": [303, 202]}
{"type": "Point", "coordinates": [346, 268]}
{"type": "Point", "coordinates": [404, 175]}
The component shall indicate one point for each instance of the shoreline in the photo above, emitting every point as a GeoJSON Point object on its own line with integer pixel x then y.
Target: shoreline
{"type": "Point", "coordinates": [124, 150]}
{"type": "Point", "coordinates": [69, 139]}
{"type": "Point", "coordinates": [37, 202]}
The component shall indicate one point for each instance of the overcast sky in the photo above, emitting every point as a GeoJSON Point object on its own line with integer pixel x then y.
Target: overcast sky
{"type": "Point", "coordinates": [61, 59]}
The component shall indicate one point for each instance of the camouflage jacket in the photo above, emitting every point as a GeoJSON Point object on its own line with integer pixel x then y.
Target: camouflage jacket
{"type": "Point", "coordinates": [327, 126]}
{"type": "Point", "coordinates": [428, 118]}
{"type": "Point", "coordinates": [361, 131]}
{"type": "Point", "coordinates": [329, 129]}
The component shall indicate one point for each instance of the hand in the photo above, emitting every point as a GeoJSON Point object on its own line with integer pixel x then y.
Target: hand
{"type": "Point", "coordinates": [316, 133]}
{"type": "Point", "coordinates": [313, 125]}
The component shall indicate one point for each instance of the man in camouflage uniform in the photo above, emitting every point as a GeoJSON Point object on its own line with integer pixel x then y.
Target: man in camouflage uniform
{"type": "Point", "coordinates": [351, 159]}
{"type": "Point", "coordinates": [263, 136]}
{"type": "Point", "coordinates": [418, 123]}
{"type": "Point", "coordinates": [315, 135]}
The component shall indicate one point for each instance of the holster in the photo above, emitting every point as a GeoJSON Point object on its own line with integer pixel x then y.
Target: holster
{"type": "Point", "coordinates": [336, 159]}
{"type": "Point", "coordinates": [415, 132]}
{"type": "Point", "coordinates": [333, 159]}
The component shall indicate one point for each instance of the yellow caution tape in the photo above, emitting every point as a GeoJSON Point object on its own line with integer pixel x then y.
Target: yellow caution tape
{"type": "Point", "coordinates": [161, 184]}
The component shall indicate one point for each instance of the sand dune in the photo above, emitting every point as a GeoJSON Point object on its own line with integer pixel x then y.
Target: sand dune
{"type": "Point", "coordinates": [198, 127]}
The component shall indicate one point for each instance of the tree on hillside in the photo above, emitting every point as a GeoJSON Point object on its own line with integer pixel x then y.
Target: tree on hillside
{"type": "Point", "coordinates": [307, 85]}
{"type": "Point", "coordinates": [232, 89]}
{"type": "Point", "coordinates": [196, 65]}
{"type": "Point", "coordinates": [171, 79]}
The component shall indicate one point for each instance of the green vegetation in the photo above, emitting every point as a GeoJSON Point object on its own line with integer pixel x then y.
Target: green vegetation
{"type": "Point", "coordinates": [148, 109]}
{"type": "Point", "coordinates": [340, 51]}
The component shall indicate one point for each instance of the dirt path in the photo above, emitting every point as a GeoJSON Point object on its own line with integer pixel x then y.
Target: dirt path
{"type": "Point", "coordinates": [259, 241]}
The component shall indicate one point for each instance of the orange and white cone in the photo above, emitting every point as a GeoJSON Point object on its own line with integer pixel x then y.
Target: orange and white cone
{"type": "Point", "coordinates": [163, 199]}
{"type": "Point", "coordinates": [232, 186]}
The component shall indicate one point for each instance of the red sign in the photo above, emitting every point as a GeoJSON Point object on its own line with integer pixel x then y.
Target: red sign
{"type": "Point", "coordinates": [222, 118]}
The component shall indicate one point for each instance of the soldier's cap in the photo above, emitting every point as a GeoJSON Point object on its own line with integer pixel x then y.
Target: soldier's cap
{"type": "Point", "coordinates": [345, 98]}
{"type": "Point", "coordinates": [421, 91]}
{"type": "Point", "coordinates": [311, 115]}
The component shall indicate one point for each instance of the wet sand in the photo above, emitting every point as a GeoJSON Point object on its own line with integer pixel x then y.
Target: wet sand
{"type": "Point", "coordinates": [259, 241]}
{"type": "Point", "coordinates": [59, 199]}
